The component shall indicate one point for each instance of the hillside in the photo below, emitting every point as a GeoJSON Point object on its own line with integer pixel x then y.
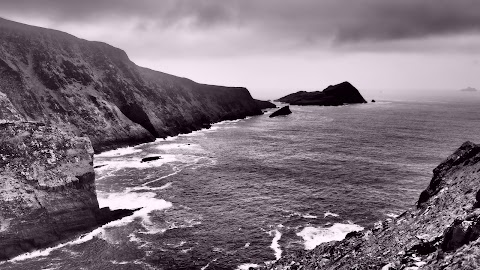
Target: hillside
{"type": "Point", "coordinates": [94, 90]}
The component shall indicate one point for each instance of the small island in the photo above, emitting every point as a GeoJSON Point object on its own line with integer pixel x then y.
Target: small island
{"type": "Point", "coordinates": [469, 89]}
{"type": "Point", "coordinates": [334, 95]}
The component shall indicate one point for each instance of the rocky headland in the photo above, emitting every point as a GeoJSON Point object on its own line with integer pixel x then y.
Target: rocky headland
{"type": "Point", "coordinates": [441, 232]}
{"type": "Point", "coordinates": [94, 90]}
{"type": "Point", "coordinates": [265, 104]}
{"type": "Point", "coordinates": [334, 95]}
{"type": "Point", "coordinates": [47, 188]}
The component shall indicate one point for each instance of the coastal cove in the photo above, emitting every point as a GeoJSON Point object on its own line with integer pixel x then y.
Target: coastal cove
{"type": "Point", "coordinates": [248, 191]}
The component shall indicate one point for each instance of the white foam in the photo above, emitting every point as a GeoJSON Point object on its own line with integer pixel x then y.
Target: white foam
{"type": "Point", "coordinates": [275, 245]}
{"type": "Point", "coordinates": [315, 236]}
{"type": "Point", "coordinates": [150, 204]}
{"type": "Point", "coordinates": [247, 266]}
{"type": "Point", "coordinates": [330, 214]}
{"type": "Point", "coordinates": [168, 147]}
{"type": "Point", "coordinates": [119, 152]}
{"type": "Point", "coordinates": [132, 200]}
{"type": "Point", "coordinates": [309, 216]}
{"type": "Point", "coordinates": [392, 215]}
{"type": "Point", "coordinates": [208, 264]}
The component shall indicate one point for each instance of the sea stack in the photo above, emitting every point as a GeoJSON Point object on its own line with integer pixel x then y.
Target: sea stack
{"type": "Point", "coordinates": [282, 111]}
{"type": "Point", "coordinates": [334, 95]}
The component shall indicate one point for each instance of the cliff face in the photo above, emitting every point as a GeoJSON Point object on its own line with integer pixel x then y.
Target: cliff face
{"type": "Point", "coordinates": [442, 232]}
{"type": "Point", "coordinates": [47, 189]}
{"type": "Point", "coordinates": [94, 90]}
{"type": "Point", "coordinates": [334, 95]}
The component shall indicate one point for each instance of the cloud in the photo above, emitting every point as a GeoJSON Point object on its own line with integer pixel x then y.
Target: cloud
{"type": "Point", "coordinates": [292, 23]}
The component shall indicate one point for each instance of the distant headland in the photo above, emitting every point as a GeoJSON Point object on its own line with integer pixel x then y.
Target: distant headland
{"type": "Point", "coordinates": [334, 95]}
{"type": "Point", "coordinates": [469, 89]}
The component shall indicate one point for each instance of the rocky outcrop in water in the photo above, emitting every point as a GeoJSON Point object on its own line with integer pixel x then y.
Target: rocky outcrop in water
{"type": "Point", "coordinates": [265, 104]}
{"type": "Point", "coordinates": [441, 232]}
{"type": "Point", "coordinates": [94, 90]}
{"type": "Point", "coordinates": [469, 89]}
{"type": "Point", "coordinates": [282, 111]}
{"type": "Point", "coordinates": [334, 95]}
{"type": "Point", "coordinates": [47, 189]}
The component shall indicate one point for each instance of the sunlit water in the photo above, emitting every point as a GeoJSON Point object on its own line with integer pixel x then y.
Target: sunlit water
{"type": "Point", "coordinates": [245, 192]}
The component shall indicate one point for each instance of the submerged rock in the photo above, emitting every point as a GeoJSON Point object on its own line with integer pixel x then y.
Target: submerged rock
{"type": "Point", "coordinates": [282, 111]}
{"type": "Point", "coordinates": [441, 232]}
{"type": "Point", "coordinates": [47, 188]}
{"type": "Point", "coordinates": [334, 95]}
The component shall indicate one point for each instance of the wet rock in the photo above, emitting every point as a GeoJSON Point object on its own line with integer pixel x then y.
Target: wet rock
{"type": "Point", "coordinates": [147, 159]}
{"type": "Point", "coordinates": [283, 111]}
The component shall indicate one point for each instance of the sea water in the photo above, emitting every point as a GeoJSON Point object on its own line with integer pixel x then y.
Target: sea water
{"type": "Point", "coordinates": [245, 192]}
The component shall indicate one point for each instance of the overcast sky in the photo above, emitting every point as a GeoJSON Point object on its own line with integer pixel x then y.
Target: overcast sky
{"type": "Point", "coordinates": [275, 47]}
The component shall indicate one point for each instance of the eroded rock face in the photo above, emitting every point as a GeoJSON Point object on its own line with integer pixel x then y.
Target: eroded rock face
{"type": "Point", "coordinates": [94, 90]}
{"type": "Point", "coordinates": [442, 232]}
{"type": "Point", "coordinates": [8, 113]}
{"type": "Point", "coordinates": [47, 189]}
{"type": "Point", "coordinates": [334, 95]}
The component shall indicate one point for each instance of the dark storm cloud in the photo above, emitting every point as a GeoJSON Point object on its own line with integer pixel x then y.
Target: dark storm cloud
{"type": "Point", "coordinates": [307, 21]}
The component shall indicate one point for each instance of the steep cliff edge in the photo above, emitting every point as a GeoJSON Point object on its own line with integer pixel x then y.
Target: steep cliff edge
{"type": "Point", "coordinates": [441, 232]}
{"type": "Point", "coordinates": [47, 189]}
{"type": "Point", "coordinates": [334, 95]}
{"type": "Point", "coordinates": [94, 90]}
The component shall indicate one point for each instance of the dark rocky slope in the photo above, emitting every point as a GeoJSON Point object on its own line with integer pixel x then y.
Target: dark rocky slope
{"type": "Point", "coordinates": [47, 189]}
{"type": "Point", "coordinates": [441, 232]}
{"type": "Point", "coordinates": [94, 90]}
{"type": "Point", "coordinates": [334, 95]}
{"type": "Point", "coordinates": [265, 104]}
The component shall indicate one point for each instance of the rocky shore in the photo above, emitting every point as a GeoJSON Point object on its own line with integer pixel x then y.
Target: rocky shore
{"type": "Point", "coordinates": [441, 232]}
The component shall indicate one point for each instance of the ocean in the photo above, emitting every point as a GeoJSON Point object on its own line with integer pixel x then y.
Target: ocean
{"type": "Point", "coordinates": [245, 192]}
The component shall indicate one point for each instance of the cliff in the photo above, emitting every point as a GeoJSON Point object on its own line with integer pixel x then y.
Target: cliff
{"type": "Point", "coordinates": [441, 232]}
{"type": "Point", "coordinates": [334, 95]}
{"type": "Point", "coordinates": [47, 189]}
{"type": "Point", "coordinates": [94, 90]}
